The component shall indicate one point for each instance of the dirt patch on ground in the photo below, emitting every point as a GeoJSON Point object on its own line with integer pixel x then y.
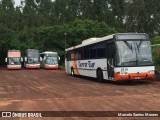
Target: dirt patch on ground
{"type": "Point", "coordinates": [54, 90]}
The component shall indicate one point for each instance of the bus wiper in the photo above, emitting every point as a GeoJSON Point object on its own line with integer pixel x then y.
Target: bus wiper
{"type": "Point", "coordinates": [132, 61]}
{"type": "Point", "coordinates": [130, 46]}
{"type": "Point", "coordinates": [138, 45]}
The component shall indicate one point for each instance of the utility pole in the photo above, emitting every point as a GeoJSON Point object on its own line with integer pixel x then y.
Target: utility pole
{"type": "Point", "coordinates": [65, 40]}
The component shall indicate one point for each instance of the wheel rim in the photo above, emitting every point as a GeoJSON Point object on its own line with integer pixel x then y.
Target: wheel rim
{"type": "Point", "coordinates": [72, 72]}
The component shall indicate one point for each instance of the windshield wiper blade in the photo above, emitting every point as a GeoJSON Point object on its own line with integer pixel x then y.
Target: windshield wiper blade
{"type": "Point", "coordinates": [135, 61]}
{"type": "Point", "coordinates": [130, 46]}
{"type": "Point", "coordinates": [138, 45]}
{"type": "Point", "coordinates": [131, 61]}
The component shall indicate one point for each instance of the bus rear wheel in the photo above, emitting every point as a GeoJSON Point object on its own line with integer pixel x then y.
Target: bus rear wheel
{"type": "Point", "coordinates": [72, 72]}
{"type": "Point", "coordinates": [100, 75]}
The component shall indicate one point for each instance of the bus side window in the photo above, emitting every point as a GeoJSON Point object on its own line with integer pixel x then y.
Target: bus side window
{"type": "Point", "coordinates": [110, 50]}
{"type": "Point", "coordinates": [80, 53]}
{"type": "Point", "coordinates": [93, 51]}
{"type": "Point", "coordinates": [72, 55]}
{"type": "Point", "coordinates": [86, 52]}
{"type": "Point", "coordinates": [76, 52]}
{"type": "Point", "coordinates": [67, 56]}
{"type": "Point", "coordinates": [107, 50]}
{"type": "Point", "coordinates": [101, 50]}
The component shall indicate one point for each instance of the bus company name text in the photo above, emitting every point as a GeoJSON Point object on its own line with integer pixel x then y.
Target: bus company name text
{"type": "Point", "coordinates": [86, 64]}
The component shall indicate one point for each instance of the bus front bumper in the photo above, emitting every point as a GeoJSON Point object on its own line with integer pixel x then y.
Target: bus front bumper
{"type": "Point", "coordinates": [36, 66]}
{"type": "Point", "coordinates": [51, 66]}
{"type": "Point", "coordinates": [14, 67]}
{"type": "Point", "coordinates": [134, 76]}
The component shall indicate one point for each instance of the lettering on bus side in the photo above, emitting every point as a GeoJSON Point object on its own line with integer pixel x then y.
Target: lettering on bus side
{"type": "Point", "coordinates": [86, 64]}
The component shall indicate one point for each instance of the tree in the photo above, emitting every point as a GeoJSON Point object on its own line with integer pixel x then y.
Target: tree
{"type": "Point", "coordinates": [29, 13]}
{"type": "Point", "coordinates": [44, 11]}
{"type": "Point", "coordinates": [6, 36]}
{"type": "Point", "coordinates": [156, 40]}
{"type": "Point", "coordinates": [117, 15]}
{"type": "Point", "coordinates": [7, 13]}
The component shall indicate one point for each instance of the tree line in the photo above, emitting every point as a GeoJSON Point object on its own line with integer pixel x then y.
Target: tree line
{"type": "Point", "coordinates": [46, 24]}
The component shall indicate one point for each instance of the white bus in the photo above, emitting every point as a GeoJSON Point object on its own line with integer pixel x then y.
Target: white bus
{"type": "Point", "coordinates": [121, 56]}
{"type": "Point", "coordinates": [49, 60]}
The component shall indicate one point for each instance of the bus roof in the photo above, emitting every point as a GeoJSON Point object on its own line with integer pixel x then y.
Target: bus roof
{"type": "Point", "coordinates": [110, 37]}
{"type": "Point", "coordinates": [91, 41]}
{"type": "Point", "coordinates": [32, 50]}
{"type": "Point", "coordinates": [14, 50]}
{"type": "Point", "coordinates": [49, 52]}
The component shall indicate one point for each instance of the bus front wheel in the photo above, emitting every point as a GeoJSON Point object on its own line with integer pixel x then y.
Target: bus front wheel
{"type": "Point", "coordinates": [100, 75]}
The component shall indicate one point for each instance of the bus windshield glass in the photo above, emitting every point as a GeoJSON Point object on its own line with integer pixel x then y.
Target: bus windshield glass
{"type": "Point", "coordinates": [33, 57]}
{"type": "Point", "coordinates": [134, 53]}
{"type": "Point", "coordinates": [33, 54]}
{"type": "Point", "coordinates": [51, 60]}
{"type": "Point", "coordinates": [33, 60]}
{"type": "Point", "coordinates": [14, 61]}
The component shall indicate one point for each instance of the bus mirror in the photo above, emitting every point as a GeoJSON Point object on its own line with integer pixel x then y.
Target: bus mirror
{"type": "Point", "coordinates": [21, 59]}
{"type": "Point", "coordinates": [40, 58]}
{"type": "Point", "coordinates": [5, 59]}
{"type": "Point", "coordinates": [25, 59]}
{"type": "Point", "coordinates": [59, 58]}
{"type": "Point", "coordinates": [44, 57]}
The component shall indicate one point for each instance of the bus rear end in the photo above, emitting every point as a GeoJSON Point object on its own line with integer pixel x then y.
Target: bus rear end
{"type": "Point", "coordinates": [14, 60]}
{"type": "Point", "coordinates": [133, 58]}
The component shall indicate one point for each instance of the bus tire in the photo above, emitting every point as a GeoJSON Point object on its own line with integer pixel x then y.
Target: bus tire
{"type": "Point", "coordinates": [100, 75]}
{"type": "Point", "coordinates": [72, 72]}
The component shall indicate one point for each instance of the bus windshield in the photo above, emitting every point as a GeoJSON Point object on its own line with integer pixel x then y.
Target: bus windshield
{"type": "Point", "coordinates": [33, 60]}
{"type": "Point", "coordinates": [51, 60]}
{"type": "Point", "coordinates": [134, 53]}
{"type": "Point", "coordinates": [14, 61]}
{"type": "Point", "coordinates": [33, 54]}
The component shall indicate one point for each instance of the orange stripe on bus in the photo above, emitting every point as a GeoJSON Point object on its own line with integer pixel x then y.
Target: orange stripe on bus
{"type": "Point", "coordinates": [32, 67]}
{"type": "Point", "coordinates": [76, 67]}
{"type": "Point", "coordinates": [13, 68]}
{"type": "Point", "coordinates": [51, 67]}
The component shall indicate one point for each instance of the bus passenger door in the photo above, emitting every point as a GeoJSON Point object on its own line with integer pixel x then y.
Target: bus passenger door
{"type": "Point", "coordinates": [67, 58]}
{"type": "Point", "coordinates": [110, 60]}
{"type": "Point", "coordinates": [110, 68]}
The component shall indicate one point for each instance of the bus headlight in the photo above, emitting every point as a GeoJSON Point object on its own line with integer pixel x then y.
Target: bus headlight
{"type": "Point", "coordinates": [123, 73]}
{"type": "Point", "coordinates": [151, 71]}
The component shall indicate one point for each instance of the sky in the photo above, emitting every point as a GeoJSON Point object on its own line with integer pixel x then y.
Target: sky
{"type": "Point", "coordinates": [17, 2]}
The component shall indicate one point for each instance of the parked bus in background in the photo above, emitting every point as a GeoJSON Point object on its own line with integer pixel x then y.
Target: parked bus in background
{"type": "Point", "coordinates": [49, 60]}
{"type": "Point", "coordinates": [14, 59]}
{"type": "Point", "coordinates": [32, 59]}
{"type": "Point", "coordinates": [123, 56]}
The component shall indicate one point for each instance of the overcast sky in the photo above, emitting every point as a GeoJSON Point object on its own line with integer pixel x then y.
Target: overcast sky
{"type": "Point", "coordinates": [17, 2]}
